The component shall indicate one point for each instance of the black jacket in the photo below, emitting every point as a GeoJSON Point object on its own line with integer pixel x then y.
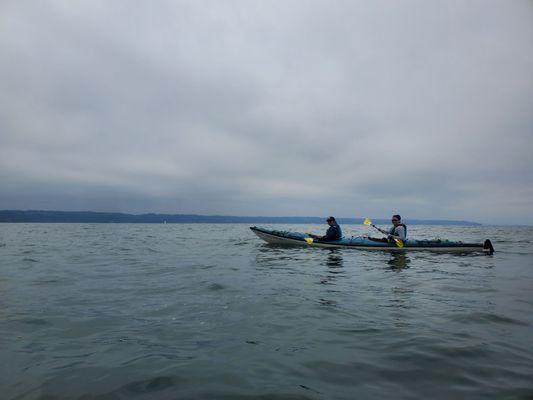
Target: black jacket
{"type": "Point", "coordinates": [334, 233]}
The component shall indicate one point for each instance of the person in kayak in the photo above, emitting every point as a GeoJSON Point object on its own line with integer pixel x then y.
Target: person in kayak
{"type": "Point", "coordinates": [334, 231]}
{"type": "Point", "coordinates": [397, 231]}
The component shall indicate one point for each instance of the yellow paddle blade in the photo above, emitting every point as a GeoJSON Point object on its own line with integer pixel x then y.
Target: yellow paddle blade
{"type": "Point", "coordinates": [309, 240]}
{"type": "Point", "coordinates": [399, 243]}
{"type": "Point", "coordinates": [367, 222]}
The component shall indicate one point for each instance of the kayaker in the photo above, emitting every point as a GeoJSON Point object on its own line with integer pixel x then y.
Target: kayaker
{"type": "Point", "coordinates": [397, 231]}
{"type": "Point", "coordinates": [334, 231]}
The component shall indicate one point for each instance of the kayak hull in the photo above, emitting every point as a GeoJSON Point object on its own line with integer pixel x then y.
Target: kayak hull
{"type": "Point", "coordinates": [288, 238]}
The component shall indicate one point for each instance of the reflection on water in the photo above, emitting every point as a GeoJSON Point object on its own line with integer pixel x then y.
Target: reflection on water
{"type": "Point", "coordinates": [399, 261]}
{"type": "Point", "coordinates": [334, 264]}
{"type": "Point", "coordinates": [334, 260]}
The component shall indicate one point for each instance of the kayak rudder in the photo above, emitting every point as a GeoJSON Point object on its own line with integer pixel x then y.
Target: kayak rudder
{"type": "Point", "coordinates": [488, 248]}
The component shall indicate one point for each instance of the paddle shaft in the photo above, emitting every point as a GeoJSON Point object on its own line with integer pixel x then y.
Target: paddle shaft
{"type": "Point", "coordinates": [385, 232]}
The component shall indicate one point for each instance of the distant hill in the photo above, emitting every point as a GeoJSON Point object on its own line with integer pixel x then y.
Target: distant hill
{"type": "Point", "coordinates": [108, 217]}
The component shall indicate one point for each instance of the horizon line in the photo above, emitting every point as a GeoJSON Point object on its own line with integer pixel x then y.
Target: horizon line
{"type": "Point", "coordinates": [216, 216]}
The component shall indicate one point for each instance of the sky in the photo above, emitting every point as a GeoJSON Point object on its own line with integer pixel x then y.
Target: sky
{"type": "Point", "coordinates": [269, 108]}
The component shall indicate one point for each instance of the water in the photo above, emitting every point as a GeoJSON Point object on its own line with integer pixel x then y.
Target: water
{"type": "Point", "coordinates": [121, 311]}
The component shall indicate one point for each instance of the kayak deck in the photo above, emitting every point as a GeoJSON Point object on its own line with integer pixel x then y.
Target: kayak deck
{"type": "Point", "coordinates": [290, 238]}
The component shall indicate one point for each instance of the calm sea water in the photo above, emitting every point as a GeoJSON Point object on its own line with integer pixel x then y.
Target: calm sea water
{"type": "Point", "coordinates": [122, 311]}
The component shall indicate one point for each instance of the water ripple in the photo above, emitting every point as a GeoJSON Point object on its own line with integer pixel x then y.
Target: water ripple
{"type": "Point", "coordinates": [486, 318]}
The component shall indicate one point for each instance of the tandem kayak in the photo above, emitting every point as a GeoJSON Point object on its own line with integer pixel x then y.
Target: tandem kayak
{"type": "Point", "coordinates": [365, 243]}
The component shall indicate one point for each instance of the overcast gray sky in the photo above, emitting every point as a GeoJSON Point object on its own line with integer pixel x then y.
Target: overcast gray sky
{"type": "Point", "coordinates": [346, 108]}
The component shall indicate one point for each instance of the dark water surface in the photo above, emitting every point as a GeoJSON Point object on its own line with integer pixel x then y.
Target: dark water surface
{"type": "Point", "coordinates": [122, 311]}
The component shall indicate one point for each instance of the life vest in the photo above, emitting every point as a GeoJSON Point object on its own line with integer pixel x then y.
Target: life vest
{"type": "Point", "coordinates": [393, 230]}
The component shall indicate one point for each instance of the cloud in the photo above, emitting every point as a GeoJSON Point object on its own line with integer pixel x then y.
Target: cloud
{"type": "Point", "coordinates": [293, 108]}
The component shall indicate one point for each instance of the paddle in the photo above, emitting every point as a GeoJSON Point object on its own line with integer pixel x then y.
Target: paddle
{"type": "Point", "coordinates": [398, 242]}
{"type": "Point", "coordinates": [311, 239]}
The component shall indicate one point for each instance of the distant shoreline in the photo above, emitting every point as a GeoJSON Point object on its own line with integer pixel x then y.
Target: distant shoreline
{"type": "Point", "coordinates": [17, 216]}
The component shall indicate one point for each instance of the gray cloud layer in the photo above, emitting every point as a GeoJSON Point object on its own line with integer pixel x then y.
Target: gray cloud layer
{"type": "Point", "coordinates": [269, 108]}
